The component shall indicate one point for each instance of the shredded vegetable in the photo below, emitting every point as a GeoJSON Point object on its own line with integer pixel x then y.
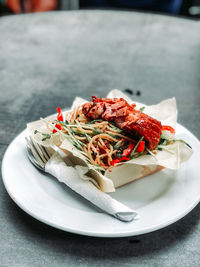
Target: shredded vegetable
{"type": "Point", "coordinates": [101, 142]}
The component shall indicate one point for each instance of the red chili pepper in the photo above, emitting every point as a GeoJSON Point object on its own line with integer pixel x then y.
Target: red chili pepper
{"type": "Point", "coordinates": [168, 128]}
{"type": "Point", "coordinates": [141, 146]}
{"type": "Point", "coordinates": [114, 161]}
{"type": "Point", "coordinates": [128, 150]}
{"type": "Point", "coordinates": [59, 116]}
{"type": "Point", "coordinates": [133, 105]}
{"type": "Point", "coordinates": [58, 126]}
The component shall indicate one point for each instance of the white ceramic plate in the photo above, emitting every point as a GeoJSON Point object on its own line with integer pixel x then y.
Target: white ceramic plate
{"type": "Point", "coordinates": [160, 199]}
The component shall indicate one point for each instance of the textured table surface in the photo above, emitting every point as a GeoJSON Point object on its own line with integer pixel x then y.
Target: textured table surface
{"type": "Point", "coordinates": [48, 59]}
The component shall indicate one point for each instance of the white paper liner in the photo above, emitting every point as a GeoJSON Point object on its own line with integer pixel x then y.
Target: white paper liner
{"type": "Point", "coordinates": [170, 157]}
{"type": "Point", "coordinates": [75, 178]}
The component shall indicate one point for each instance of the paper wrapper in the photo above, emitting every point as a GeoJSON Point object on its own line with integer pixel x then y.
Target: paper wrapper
{"type": "Point", "coordinates": [75, 178]}
{"type": "Point", "coordinates": [171, 157]}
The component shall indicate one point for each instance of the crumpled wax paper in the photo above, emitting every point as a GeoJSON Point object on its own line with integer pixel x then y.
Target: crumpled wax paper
{"type": "Point", "coordinates": [75, 178]}
{"type": "Point", "coordinates": [171, 157]}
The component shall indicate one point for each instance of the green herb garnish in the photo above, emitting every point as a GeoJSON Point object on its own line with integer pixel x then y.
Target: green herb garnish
{"type": "Point", "coordinates": [46, 136]}
{"type": "Point", "coordinates": [142, 109]}
{"type": "Point", "coordinates": [182, 141]}
{"type": "Point", "coordinates": [96, 131]}
{"type": "Point", "coordinates": [91, 122]}
{"type": "Point", "coordinates": [150, 152]}
{"type": "Point", "coordinates": [115, 127]}
{"type": "Point", "coordinates": [132, 153]}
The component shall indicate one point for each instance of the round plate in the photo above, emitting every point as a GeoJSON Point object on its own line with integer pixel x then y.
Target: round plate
{"type": "Point", "coordinates": [160, 199]}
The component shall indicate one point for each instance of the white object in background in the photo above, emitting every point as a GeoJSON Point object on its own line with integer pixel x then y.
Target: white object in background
{"type": "Point", "coordinates": [69, 4]}
{"type": "Point", "coordinates": [194, 10]}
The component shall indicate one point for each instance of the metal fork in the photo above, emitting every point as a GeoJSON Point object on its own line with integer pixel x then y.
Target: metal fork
{"type": "Point", "coordinates": [40, 157]}
{"type": "Point", "coordinates": [37, 154]}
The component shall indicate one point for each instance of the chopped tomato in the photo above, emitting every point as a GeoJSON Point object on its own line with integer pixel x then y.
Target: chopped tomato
{"type": "Point", "coordinates": [168, 128]}
{"type": "Point", "coordinates": [141, 146]}
{"type": "Point", "coordinates": [126, 153]}
{"type": "Point", "coordinates": [128, 150]}
{"type": "Point", "coordinates": [59, 127]}
{"type": "Point", "coordinates": [133, 105]}
{"type": "Point", "coordinates": [131, 146]}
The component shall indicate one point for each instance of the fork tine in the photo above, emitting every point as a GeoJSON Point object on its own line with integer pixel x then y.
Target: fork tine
{"type": "Point", "coordinates": [41, 151]}
{"type": "Point", "coordinates": [45, 152]}
{"type": "Point", "coordinates": [33, 159]}
{"type": "Point", "coordinates": [37, 150]}
{"type": "Point", "coordinates": [37, 159]}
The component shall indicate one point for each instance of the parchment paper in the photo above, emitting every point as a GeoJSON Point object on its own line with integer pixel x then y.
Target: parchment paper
{"type": "Point", "coordinates": [171, 157]}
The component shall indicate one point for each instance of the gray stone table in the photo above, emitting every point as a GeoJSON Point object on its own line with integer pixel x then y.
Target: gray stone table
{"type": "Point", "coordinates": [48, 59]}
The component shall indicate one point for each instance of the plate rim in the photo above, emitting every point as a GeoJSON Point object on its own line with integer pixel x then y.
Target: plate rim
{"type": "Point", "coordinates": [92, 233]}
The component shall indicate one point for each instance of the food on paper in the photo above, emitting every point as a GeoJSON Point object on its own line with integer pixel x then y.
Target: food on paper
{"type": "Point", "coordinates": [131, 121]}
{"type": "Point", "coordinates": [117, 139]}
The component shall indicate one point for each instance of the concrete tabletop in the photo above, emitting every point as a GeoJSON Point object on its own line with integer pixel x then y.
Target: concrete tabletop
{"type": "Point", "coordinates": [48, 59]}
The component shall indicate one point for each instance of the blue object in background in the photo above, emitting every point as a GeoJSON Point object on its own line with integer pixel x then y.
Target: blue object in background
{"type": "Point", "coordinates": [169, 6]}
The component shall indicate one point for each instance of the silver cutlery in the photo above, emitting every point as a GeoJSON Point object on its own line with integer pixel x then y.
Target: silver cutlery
{"type": "Point", "coordinates": [55, 165]}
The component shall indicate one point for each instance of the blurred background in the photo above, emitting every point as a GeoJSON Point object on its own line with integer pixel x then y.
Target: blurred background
{"type": "Point", "coordinates": [186, 8]}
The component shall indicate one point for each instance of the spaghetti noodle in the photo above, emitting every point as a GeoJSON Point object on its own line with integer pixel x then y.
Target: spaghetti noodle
{"type": "Point", "coordinates": [102, 142]}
